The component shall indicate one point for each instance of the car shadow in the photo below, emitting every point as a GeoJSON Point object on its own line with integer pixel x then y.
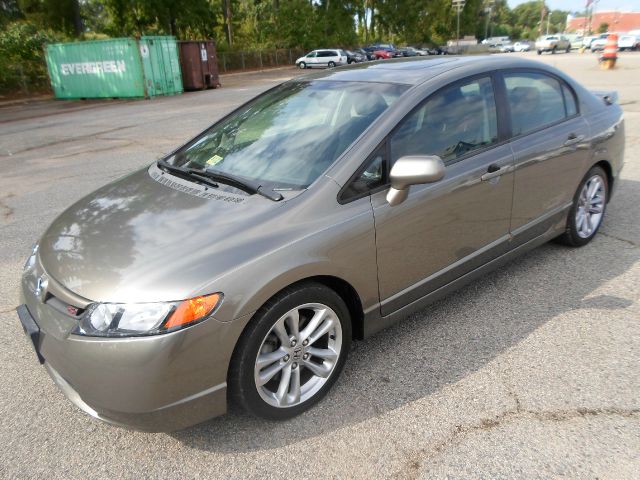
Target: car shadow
{"type": "Point", "coordinates": [447, 341]}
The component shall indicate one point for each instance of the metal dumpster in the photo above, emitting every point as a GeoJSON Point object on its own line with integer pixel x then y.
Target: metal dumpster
{"type": "Point", "coordinates": [199, 64]}
{"type": "Point", "coordinates": [115, 68]}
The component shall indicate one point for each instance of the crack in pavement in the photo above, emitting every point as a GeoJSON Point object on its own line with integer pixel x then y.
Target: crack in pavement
{"type": "Point", "coordinates": [485, 424]}
{"type": "Point", "coordinates": [629, 242]}
{"type": "Point", "coordinates": [7, 210]}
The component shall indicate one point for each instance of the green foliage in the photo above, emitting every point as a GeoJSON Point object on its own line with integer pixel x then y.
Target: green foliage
{"type": "Point", "coordinates": [22, 60]}
{"type": "Point", "coordinates": [603, 28]}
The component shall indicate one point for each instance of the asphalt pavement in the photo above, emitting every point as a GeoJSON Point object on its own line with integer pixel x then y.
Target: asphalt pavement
{"type": "Point", "coordinates": [532, 371]}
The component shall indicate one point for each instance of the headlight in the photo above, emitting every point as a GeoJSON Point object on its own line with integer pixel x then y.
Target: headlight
{"type": "Point", "coordinates": [133, 319]}
{"type": "Point", "coordinates": [31, 261]}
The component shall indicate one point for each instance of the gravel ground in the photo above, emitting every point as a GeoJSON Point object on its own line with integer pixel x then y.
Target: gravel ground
{"type": "Point", "coordinates": [530, 372]}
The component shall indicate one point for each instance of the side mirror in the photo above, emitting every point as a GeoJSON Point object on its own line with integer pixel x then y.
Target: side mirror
{"type": "Point", "coordinates": [413, 170]}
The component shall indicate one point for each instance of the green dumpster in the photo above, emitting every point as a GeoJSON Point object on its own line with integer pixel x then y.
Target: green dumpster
{"type": "Point", "coordinates": [115, 68]}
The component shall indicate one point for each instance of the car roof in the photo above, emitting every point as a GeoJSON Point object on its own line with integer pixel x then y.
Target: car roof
{"type": "Point", "coordinates": [414, 71]}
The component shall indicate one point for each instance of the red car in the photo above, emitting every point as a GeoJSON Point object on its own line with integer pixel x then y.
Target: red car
{"type": "Point", "coordinates": [382, 54]}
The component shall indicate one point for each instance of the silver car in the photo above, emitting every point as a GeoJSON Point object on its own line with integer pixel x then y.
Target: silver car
{"type": "Point", "coordinates": [240, 267]}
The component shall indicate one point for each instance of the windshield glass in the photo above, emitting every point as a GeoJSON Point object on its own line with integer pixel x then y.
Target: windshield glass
{"type": "Point", "coordinates": [291, 135]}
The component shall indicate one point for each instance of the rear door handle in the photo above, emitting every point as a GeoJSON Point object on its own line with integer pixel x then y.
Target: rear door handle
{"type": "Point", "coordinates": [572, 139]}
{"type": "Point", "coordinates": [492, 172]}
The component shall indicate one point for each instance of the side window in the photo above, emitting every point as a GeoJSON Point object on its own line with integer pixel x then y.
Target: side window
{"type": "Point", "coordinates": [371, 175]}
{"type": "Point", "coordinates": [535, 100]}
{"type": "Point", "coordinates": [451, 123]}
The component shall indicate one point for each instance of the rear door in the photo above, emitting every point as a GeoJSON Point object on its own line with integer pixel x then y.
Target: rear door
{"type": "Point", "coordinates": [550, 147]}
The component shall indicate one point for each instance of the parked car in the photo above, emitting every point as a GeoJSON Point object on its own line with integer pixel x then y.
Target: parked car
{"type": "Point", "coordinates": [521, 46]}
{"type": "Point", "coordinates": [239, 267]}
{"type": "Point", "coordinates": [501, 48]}
{"type": "Point", "coordinates": [323, 59]}
{"type": "Point", "coordinates": [553, 44]}
{"type": "Point", "coordinates": [387, 47]}
{"type": "Point", "coordinates": [367, 55]}
{"type": "Point", "coordinates": [383, 54]}
{"type": "Point", "coordinates": [413, 52]}
{"type": "Point", "coordinates": [355, 57]}
{"type": "Point", "coordinates": [577, 41]}
{"type": "Point", "coordinates": [408, 52]}
{"type": "Point", "coordinates": [586, 41]}
{"type": "Point", "coordinates": [369, 51]}
{"type": "Point", "coordinates": [629, 42]}
{"type": "Point", "coordinates": [599, 42]}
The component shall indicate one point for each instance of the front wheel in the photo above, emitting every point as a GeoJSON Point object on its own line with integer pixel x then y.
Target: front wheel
{"type": "Point", "coordinates": [587, 210]}
{"type": "Point", "coordinates": [539, 52]}
{"type": "Point", "coordinates": [568, 50]}
{"type": "Point", "coordinates": [302, 65]}
{"type": "Point", "coordinates": [553, 50]}
{"type": "Point", "coordinates": [331, 64]}
{"type": "Point", "coordinates": [291, 353]}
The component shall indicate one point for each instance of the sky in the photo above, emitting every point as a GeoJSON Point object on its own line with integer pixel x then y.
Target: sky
{"type": "Point", "coordinates": [578, 5]}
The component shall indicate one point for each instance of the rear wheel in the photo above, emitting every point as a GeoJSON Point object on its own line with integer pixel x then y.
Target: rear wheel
{"type": "Point", "coordinates": [587, 211]}
{"type": "Point", "coordinates": [331, 64]}
{"type": "Point", "coordinates": [539, 52]}
{"type": "Point", "coordinates": [553, 50]}
{"type": "Point", "coordinates": [568, 50]}
{"type": "Point", "coordinates": [291, 353]}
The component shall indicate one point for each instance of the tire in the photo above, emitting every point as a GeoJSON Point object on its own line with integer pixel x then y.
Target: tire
{"type": "Point", "coordinates": [577, 233]}
{"type": "Point", "coordinates": [553, 51]}
{"type": "Point", "coordinates": [316, 367]}
{"type": "Point", "coordinates": [539, 52]}
{"type": "Point", "coordinates": [302, 65]}
{"type": "Point", "coordinates": [568, 50]}
{"type": "Point", "coordinates": [331, 64]}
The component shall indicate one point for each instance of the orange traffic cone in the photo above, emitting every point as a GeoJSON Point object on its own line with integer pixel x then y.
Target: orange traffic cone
{"type": "Point", "coordinates": [610, 53]}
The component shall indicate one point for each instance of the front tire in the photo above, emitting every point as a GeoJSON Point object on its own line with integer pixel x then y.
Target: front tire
{"type": "Point", "coordinates": [291, 353]}
{"type": "Point", "coordinates": [587, 211]}
{"type": "Point", "coordinates": [302, 65]}
{"type": "Point", "coordinates": [539, 52]}
{"type": "Point", "coordinates": [331, 64]}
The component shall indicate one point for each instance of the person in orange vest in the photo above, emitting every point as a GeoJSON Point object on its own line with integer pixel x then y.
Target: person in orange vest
{"type": "Point", "coordinates": [610, 52]}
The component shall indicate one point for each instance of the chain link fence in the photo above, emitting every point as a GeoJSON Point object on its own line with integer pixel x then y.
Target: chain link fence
{"type": "Point", "coordinates": [238, 61]}
{"type": "Point", "coordinates": [26, 78]}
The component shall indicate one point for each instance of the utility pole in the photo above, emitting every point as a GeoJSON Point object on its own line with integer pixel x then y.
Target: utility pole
{"type": "Point", "coordinates": [458, 5]}
{"type": "Point", "coordinates": [542, 12]}
{"type": "Point", "coordinates": [548, 19]}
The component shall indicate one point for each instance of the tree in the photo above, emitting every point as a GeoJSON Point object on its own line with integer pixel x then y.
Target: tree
{"type": "Point", "coordinates": [603, 28]}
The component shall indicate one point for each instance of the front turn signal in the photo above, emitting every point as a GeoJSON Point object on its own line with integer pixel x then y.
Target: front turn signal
{"type": "Point", "coordinates": [192, 310]}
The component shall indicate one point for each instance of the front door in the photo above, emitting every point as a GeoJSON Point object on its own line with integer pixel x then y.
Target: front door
{"type": "Point", "coordinates": [447, 228]}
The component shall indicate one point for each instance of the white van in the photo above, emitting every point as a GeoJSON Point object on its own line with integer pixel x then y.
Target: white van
{"type": "Point", "coordinates": [322, 58]}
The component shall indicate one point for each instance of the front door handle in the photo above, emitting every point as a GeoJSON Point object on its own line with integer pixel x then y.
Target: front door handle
{"type": "Point", "coordinates": [572, 139]}
{"type": "Point", "coordinates": [492, 172]}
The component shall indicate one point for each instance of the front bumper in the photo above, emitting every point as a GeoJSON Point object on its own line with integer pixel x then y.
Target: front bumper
{"type": "Point", "coordinates": [155, 383]}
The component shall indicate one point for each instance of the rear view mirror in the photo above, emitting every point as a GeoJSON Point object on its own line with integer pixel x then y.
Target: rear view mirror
{"type": "Point", "coordinates": [413, 170]}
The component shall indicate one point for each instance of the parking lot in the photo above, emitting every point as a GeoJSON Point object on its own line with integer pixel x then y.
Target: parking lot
{"type": "Point", "coordinates": [529, 372]}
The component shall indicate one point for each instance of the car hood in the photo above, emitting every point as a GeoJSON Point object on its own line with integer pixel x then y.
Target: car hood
{"type": "Point", "coordinates": [154, 237]}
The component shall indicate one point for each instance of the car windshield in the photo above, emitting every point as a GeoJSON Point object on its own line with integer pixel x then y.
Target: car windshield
{"type": "Point", "coordinates": [289, 136]}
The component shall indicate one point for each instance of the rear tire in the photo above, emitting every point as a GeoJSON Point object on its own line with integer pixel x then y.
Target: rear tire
{"type": "Point", "coordinates": [539, 52]}
{"type": "Point", "coordinates": [291, 353]}
{"type": "Point", "coordinates": [331, 64]}
{"type": "Point", "coordinates": [553, 51]}
{"type": "Point", "coordinates": [587, 210]}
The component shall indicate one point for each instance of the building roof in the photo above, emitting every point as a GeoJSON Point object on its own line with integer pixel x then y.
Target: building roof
{"type": "Point", "coordinates": [620, 22]}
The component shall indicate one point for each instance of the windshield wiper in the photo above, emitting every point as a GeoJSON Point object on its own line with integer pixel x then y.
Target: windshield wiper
{"type": "Point", "coordinates": [209, 177]}
{"type": "Point", "coordinates": [185, 173]}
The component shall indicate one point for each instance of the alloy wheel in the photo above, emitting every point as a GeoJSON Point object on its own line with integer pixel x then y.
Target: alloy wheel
{"type": "Point", "coordinates": [590, 207]}
{"type": "Point", "coordinates": [298, 355]}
